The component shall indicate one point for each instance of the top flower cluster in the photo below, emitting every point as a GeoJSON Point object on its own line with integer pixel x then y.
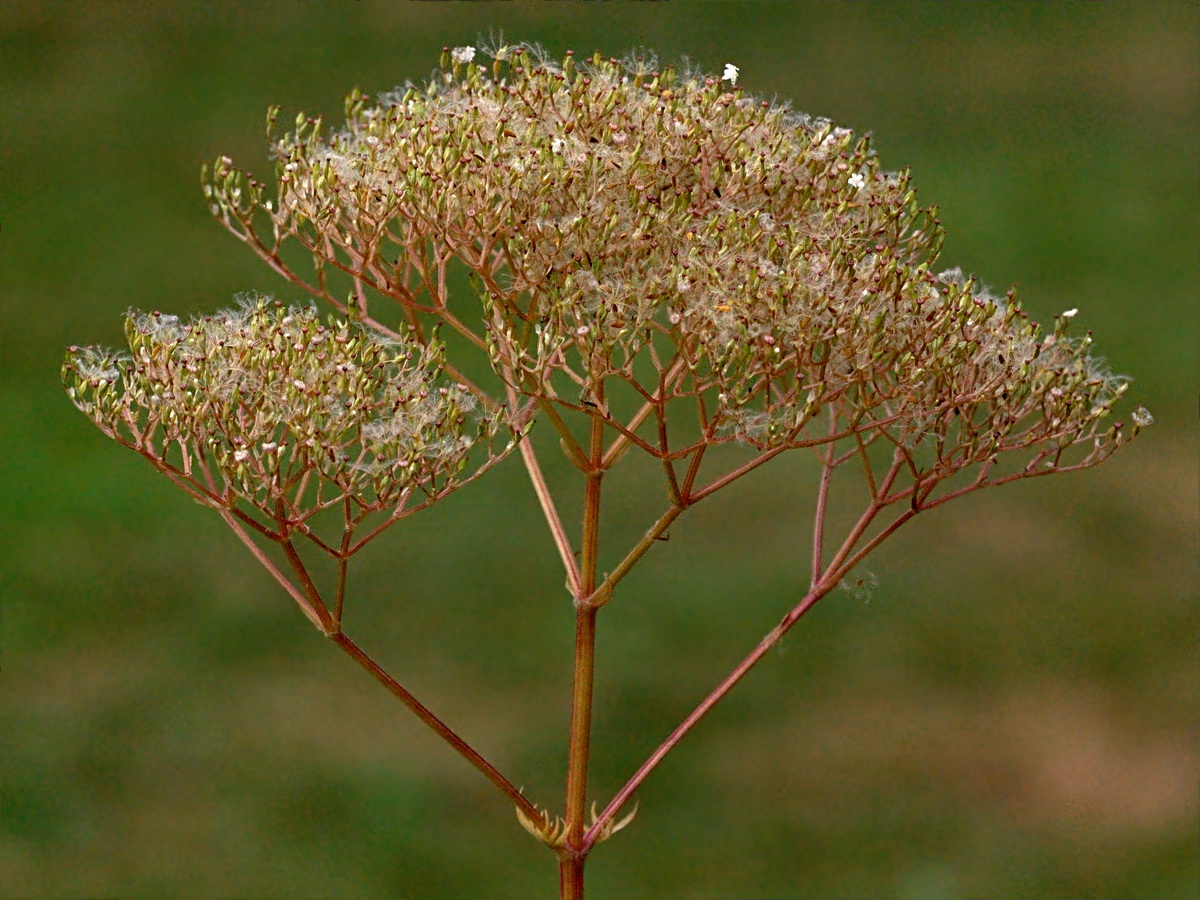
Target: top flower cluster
{"type": "Point", "coordinates": [756, 259]}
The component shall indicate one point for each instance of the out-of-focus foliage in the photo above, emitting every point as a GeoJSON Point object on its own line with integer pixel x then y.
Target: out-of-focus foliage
{"type": "Point", "coordinates": [1009, 712]}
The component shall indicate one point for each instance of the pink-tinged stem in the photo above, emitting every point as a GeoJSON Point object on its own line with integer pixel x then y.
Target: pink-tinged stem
{"type": "Point", "coordinates": [827, 467]}
{"type": "Point", "coordinates": [726, 685]}
{"type": "Point", "coordinates": [836, 570]}
{"type": "Point", "coordinates": [550, 511]}
{"type": "Point", "coordinates": [296, 594]}
{"type": "Point", "coordinates": [465, 750]}
{"type": "Point", "coordinates": [333, 631]}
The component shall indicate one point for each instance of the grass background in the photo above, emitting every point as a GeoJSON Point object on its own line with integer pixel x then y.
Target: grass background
{"type": "Point", "coordinates": [1013, 712]}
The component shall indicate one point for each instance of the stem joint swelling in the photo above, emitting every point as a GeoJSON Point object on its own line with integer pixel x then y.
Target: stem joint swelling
{"type": "Point", "coordinates": [595, 600]}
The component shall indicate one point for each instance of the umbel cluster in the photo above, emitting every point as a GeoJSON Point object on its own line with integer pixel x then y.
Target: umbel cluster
{"type": "Point", "coordinates": [656, 250]}
{"type": "Point", "coordinates": [640, 260]}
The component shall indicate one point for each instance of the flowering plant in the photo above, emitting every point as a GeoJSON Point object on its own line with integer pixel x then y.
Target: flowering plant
{"type": "Point", "coordinates": [661, 264]}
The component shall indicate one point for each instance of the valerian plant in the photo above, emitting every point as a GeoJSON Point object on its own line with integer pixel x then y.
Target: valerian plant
{"type": "Point", "coordinates": [661, 264]}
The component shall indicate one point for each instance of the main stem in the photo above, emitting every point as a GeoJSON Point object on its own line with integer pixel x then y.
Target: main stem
{"type": "Point", "coordinates": [571, 856]}
{"type": "Point", "coordinates": [573, 853]}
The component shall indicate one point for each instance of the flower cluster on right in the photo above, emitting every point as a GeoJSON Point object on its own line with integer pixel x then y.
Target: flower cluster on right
{"type": "Point", "coordinates": [665, 235]}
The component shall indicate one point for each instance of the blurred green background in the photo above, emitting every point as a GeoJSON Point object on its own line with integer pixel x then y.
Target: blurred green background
{"type": "Point", "coordinates": [1012, 713]}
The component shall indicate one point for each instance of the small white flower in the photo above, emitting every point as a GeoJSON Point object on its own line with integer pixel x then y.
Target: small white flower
{"type": "Point", "coordinates": [557, 145]}
{"type": "Point", "coordinates": [836, 135]}
{"type": "Point", "coordinates": [731, 73]}
{"type": "Point", "coordinates": [1070, 313]}
{"type": "Point", "coordinates": [1142, 418]}
{"type": "Point", "coordinates": [462, 55]}
{"type": "Point", "coordinates": [857, 181]}
{"type": "Point", "coordinates": [241, 455]}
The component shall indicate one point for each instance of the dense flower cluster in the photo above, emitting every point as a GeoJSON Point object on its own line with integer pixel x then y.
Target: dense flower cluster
{"type": "Point", "coordinates": [658, 261]}
{"type": "Point", "coordinates": [666, 233]}
{"type": "Point", "coordinates": [267, 404]}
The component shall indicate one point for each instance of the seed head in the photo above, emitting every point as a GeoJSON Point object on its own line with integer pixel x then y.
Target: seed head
{"type": "Point", "coordinates": [716, 252]}
{"type": "Point", "coordinates": [257, 401]}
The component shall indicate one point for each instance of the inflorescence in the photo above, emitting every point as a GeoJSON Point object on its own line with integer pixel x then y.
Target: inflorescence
{"type": "Point", "coordinates": [655, 255]}
{"type": "Point", "coordinates": [667, 233]}
{"type": "Point", "coordinates": [268, 405]}
{"type": "Point", "coordinates": [735, 270]}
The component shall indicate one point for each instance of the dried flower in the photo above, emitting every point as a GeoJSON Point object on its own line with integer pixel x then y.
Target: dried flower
{"type": "Point", "coordinates": [676, 264]}
{"type": "Point", "coordinates": [757, 261]}
{"type": "Point", "coordinates": [270, 406]}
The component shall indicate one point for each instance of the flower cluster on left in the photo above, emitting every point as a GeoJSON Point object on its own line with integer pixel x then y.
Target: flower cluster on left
{"type": "Point", "coordinates": [272, 416]}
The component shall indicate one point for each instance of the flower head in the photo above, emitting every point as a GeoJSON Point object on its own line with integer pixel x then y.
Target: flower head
{"type": "Point", "coordinates": [629, 222]}
{"type": "Point", "coordinates": [249, 394]}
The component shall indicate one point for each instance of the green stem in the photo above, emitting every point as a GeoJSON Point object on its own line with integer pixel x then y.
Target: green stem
{"type": "Point", "coordinates": [603, 594]}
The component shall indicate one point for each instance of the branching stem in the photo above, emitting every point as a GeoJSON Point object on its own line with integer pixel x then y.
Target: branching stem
{"type": "Point", "coordinates": [465, 750]}
{"type": "Point", "coordinates": [764, 646]}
